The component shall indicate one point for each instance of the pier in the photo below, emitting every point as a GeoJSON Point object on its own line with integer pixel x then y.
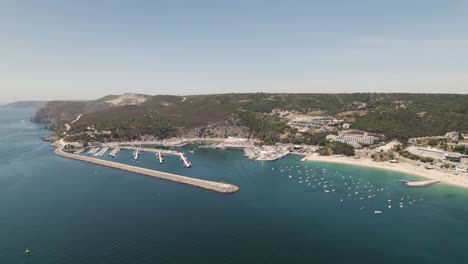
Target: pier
{"type": "Point", "coordinates": [114, 152]}
{"type": "Point", "coordinates": [187, 164]}
{"type": "Point", "coordinates": [160, 157]}
{"type": "Point", "coordinates": [204, 184]}
{"type": "Point", "coordinates": [307, 156]}
{"type": "Point", "coordinates": [154, 150]}
{"type": "Point", "coordinates": [136, 153]}
{"type": "Point", "coordinates": [101, 153]}
{"type": "Point", "coordinates": [79, 151]}
{"type": "Point", "coordinates": [93, 150]}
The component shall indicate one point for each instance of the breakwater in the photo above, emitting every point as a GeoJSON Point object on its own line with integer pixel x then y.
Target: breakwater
{"type": "Point", "coordinates": [208, 185]}
{"type": "Point", "coordinates": [418, 183]}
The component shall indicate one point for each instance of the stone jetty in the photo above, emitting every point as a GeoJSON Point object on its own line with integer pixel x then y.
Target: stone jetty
{"type": "Point", "coordinates": [419, 183]}
{"type": "Point", "coordinates": [208, 185]}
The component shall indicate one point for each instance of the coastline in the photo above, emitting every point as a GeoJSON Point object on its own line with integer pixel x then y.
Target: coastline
{"type": "Point", "coordinates": [434, 174]}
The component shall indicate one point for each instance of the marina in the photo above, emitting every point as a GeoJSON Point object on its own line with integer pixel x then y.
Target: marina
{"type": "Point", "coordinates": [136, 152]}
{"type": "Point", "coordinates": [204, 184]}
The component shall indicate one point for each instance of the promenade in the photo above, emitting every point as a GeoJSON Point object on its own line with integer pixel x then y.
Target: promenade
{"type": "Point", "coordinates": [208, 185]}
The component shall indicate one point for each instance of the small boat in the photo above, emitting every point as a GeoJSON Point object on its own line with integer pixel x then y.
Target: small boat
{"type": "Point", "coordinates": [377, 212]}
{"type": "Point", "coordinates": [26, 251]}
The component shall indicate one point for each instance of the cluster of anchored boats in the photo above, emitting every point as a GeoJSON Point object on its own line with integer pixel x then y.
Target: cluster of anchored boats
{"type": "Point", "coordinates": [347, 188]}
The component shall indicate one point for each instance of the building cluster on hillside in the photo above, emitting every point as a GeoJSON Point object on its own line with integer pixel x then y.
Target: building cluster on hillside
{"type": "Point", "coordinates": [436, 153]}
{"type": "Point", "coordinates": [280, 112]}
{"type": "Point", "coordinates": [452, 136]}
{"type": "Point", "coordinates": [267, 153]}
{"type": "Point", "coordinates": [356, 138]}
{"type": "Point", "coordinates": [320, 123]}
{"type": "Point", "coordinates": [458, 160]}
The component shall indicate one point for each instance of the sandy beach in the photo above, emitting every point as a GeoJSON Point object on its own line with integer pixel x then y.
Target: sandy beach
{"type": "Point", "coordinates": [433, 174]}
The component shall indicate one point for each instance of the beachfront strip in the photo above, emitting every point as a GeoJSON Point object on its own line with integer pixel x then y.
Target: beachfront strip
{"type": "Point", "coordinates": [208, 185]}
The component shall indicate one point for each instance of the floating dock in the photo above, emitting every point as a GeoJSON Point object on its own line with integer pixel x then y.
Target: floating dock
{"type": "Point", "coordinates": [101, 153]}
{"type": "Point", "coordinates": [114, 152]}
{"type": "Point", "coordinates": [208, 185]}
{"type": "Point", "coordinates": [154, 150]}
{"type": "Point", "coordinates": [95, 150]}
{"type": "Point", "coordinates": [136, 153]}
{"type": "Point", "coordinates": [307, 156]}
{"type": "Point", "coordinates": [92, 151]}
{"type": "Point", "coordinates": [184, 160]}
{"type": "Point", "coordinates": [160, 157]}
{"type": "Point", "coordinates": [79, 151]}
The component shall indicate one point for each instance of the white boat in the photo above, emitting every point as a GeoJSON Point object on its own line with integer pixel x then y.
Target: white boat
{"type": "Point", "coordinates": [377, 212]}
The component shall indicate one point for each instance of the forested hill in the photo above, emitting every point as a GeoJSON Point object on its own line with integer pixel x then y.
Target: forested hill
{"type": "Point", "coordinates": [132, 117]}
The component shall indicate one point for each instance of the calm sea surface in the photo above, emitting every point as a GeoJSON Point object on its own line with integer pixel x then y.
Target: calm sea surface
{"type": "Point", "coordinates": [287, 211]}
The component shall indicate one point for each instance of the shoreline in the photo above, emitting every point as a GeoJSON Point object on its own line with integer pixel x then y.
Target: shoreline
{"type": "Point", "coordinates": [440, 176]}
{"type": "Point", "coordinates": [403, 167]}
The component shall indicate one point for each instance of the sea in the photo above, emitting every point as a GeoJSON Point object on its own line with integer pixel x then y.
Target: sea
{"type": "Point", "coordinates": [286, 211]}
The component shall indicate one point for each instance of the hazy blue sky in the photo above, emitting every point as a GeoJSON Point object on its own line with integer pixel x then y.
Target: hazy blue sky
{"type": "Point", "coordinates": [85, 49]}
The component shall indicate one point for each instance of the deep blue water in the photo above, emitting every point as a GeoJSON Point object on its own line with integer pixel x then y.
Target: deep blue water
{"type": "Point", "coordinates": [66, 211]}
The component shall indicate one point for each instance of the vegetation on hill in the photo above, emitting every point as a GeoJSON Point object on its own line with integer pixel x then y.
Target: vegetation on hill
{"type": "Point", "coordinates": [403, 123]}
{"type": "Point", "coordinates": [265, 127]}
{"type": "Point", "coordinates": [126, 130]}
{"type": "Point", "coordinates": [398, 116]}
{"type": "Point", "coordinates": [461, 149]}
{"type": "Point", "coordinates": [412, 156]}
{"type": "Point", "coordinates": [337, 148]}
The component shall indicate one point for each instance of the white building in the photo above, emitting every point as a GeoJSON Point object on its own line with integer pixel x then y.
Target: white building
{"type": "Point", "coordinates": [357, 136]}
{"type": "Point", "coordinates": [313, 122]}
{"type": "Point", "coordinates": [354, 137]}
{"type": "Point", "coordinates": [452, 136]}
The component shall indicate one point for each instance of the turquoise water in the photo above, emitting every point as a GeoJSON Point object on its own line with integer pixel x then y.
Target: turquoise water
{"type": "Point", "coordinates": [66, 211]}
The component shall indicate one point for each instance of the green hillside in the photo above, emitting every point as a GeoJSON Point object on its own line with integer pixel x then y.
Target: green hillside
{"type": "Point", "coordinates": [394, 115]}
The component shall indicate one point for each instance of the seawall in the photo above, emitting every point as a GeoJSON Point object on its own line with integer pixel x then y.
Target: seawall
{"type": "Point", "coordinates": [208, 185]}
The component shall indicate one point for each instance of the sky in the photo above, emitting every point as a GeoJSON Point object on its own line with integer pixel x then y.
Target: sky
{"type": "Point", "coordinates": [80, 49]}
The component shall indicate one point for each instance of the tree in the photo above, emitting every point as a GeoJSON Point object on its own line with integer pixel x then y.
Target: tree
{"type": "Point", "coordinates": [337, 148]}
{"type": "Point", "coordinates": [342, 148]}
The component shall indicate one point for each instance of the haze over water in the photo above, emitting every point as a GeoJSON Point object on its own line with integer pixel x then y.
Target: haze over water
{"type": "Point", "coordinates": [66, 211]}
